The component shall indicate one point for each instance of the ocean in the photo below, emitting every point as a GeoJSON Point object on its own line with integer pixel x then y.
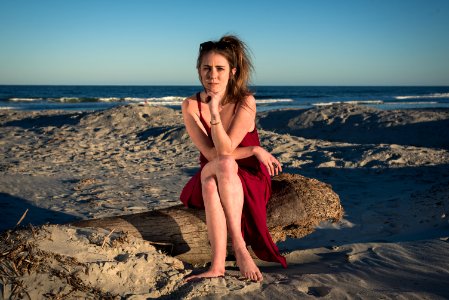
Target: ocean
{"type": "Point", "coordinates": [84, 98]}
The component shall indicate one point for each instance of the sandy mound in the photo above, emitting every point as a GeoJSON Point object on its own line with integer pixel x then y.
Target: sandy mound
{"type": "Point", "coordinates": [298, 152]}
{"type": "Point", "coordinates": [94, 164]}
{"type": "Point", "coordinates": [363, 125]}
{"type": "Point", "coordinates": [61, 262]}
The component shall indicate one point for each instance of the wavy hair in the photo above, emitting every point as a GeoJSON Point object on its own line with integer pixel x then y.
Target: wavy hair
{"type": "Point", "coordinates": [236, 53]}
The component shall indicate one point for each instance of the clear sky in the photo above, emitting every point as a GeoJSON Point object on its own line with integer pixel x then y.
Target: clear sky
{"type": "Point", "coordinates": [294, 42]}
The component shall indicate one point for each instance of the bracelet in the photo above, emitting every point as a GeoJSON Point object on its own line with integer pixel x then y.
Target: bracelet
{"type": "Point", "coordinates": [216, 123]}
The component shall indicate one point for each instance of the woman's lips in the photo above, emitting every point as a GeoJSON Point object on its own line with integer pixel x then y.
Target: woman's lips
{"type": "Point", "coordinates": [213, 85]}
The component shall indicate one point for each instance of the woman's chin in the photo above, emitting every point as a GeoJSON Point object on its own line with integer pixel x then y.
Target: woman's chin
{"type": "Point", "coordinates": [215, 88]}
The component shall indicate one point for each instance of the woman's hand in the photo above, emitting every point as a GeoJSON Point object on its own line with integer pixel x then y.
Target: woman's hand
{"type": "Point", "coordinates": [268, 160]}
{"type": "Point", "coordinates": [213, 99]}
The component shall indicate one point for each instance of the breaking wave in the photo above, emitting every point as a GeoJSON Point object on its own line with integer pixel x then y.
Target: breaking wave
{"type": "Point", "coordinates": [436, 95]}
{"type": "Point", "coordinates": [168, 100]}
{"type": "Point", "coordinates": [349, 102]}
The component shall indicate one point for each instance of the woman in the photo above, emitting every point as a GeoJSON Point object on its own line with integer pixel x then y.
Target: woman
{"type": "Point", "coordinates": [234, 182]}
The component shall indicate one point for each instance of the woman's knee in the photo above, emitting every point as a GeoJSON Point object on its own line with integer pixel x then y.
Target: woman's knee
{"type": "Point", "coordinates": [226, 166]}
{"type": "Point", "coordinates": [208, 185]}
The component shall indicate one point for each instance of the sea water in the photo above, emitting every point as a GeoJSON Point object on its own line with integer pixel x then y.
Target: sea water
{"type": "Point", "coordinates": [70, 97]}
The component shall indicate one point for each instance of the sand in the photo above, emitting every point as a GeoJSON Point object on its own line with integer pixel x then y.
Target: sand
{"type": "Point", "coordinates": [390, 169]}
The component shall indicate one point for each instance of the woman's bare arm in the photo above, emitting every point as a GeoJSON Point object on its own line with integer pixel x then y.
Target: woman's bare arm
{"type": "Point", "coordinates": [196, 130]}
{"type": "Point", "coordinates": [243, 122]}
{"type": "Point", "coordinates": [199, 137]}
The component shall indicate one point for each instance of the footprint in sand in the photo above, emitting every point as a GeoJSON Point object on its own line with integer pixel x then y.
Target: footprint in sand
{"type": "Point", "coordinates": [318, 291]}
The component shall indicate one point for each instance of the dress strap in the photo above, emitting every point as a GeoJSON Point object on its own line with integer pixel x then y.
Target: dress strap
{"type": "Point", "coordinates": [198, 100]}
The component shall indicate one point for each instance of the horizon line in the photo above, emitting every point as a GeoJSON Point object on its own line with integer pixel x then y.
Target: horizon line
{"type": "Point", "coordinates": [255, 85]}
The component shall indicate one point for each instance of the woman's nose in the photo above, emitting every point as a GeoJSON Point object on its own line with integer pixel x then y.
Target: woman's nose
{"type": "Point", "coordinates": [213, 73]}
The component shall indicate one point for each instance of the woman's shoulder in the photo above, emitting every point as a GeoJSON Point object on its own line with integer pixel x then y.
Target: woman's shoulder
{"type": "Point", "coordinates": [250, 100]}
{"type": "Point", "coordinates": [248, 103]}
{"type": "Point", "coordinates": [189, 102]}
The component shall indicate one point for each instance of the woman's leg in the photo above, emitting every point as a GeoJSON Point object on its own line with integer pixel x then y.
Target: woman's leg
{"type": "Point", "coordinates": [216, 222]}
{"type": "Point", "coordinates": [223, 201]}
{"type": "Point", "coordinates": [231, 197]}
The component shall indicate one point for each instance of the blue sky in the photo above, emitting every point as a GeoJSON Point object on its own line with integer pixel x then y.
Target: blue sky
{"type": "Point", "coordinates": [147, 42]}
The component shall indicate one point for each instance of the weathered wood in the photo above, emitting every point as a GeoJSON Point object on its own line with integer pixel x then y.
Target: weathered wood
{"type": "Point", "coordinates": [297, 206]}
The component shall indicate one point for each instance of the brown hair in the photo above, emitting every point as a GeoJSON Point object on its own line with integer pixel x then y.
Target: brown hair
{"type": "Point", "coordinates": [236, 53]}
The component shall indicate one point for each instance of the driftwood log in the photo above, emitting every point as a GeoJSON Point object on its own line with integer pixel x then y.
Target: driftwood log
{"type": "Point", "coordinates": [297, 206]}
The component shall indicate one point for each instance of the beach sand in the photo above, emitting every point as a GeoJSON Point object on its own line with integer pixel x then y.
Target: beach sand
{"type": "Point", "coordinates": [390, 169]}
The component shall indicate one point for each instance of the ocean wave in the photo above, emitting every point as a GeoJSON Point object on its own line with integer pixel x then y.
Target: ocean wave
{"type": "Point", "coordinates": [348, 102]}
{"type": "Point", "coordinates": [161, 100]}
{"type": "Point", "coordinates": [436, 95]}
{"type": "Point", "coordinates": [161, 103]}
{"type": "Point", "coordinates": [174, 101]}
{"type": "Point", "coordinates": [25, 99]}
{"type": "Point", "coordinates": [268, 101]}
{"type": "Point", "coordinates": [83, 99]}
{"type": "Point", "coordinates": [412, 103]}
{"type": "Point", "coordinates": [167, 100]}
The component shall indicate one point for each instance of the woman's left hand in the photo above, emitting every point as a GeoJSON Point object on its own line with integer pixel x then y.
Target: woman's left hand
{"type": "Point", "coordinates": [269, 161]}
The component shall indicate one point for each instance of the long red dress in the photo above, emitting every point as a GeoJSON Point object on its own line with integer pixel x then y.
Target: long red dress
{"type": "Point", "coordinates": [256, 183]}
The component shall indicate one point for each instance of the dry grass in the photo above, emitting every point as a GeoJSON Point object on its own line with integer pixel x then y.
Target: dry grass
{"type": "Point", "coordinates": [19, 257]}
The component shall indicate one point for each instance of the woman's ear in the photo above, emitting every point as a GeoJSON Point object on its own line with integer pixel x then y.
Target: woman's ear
{"type": "Point", "coordinates": [233, 70]}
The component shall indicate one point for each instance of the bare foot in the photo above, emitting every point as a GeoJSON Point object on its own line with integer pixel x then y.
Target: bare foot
{"type": "Point", "coordinates": [247, 266]}
{"type": "Point", "coordinates": [208, 274]}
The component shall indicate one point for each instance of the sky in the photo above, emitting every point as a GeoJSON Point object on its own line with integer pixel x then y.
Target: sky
{"type": "Point", "coordinates": [292, 42]}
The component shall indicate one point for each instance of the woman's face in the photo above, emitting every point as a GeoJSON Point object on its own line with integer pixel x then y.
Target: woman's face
{"type": "Point", "coordinates": [214, 72]}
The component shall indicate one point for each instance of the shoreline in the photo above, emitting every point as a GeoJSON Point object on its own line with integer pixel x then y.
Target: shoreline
{"type": "Point", "coordinates": [267, 97]}
{"type": "Point", "coordinates": [261, 108]}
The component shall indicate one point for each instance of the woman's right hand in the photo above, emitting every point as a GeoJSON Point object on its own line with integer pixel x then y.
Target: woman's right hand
{"type": "Point", "coordinates": [269, 161]}
{"type": "Point", "coordinates": [213, 99]}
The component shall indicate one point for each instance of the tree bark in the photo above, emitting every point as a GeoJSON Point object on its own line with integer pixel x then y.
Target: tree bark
{"type": "Point", "coordinates": [298, 204]}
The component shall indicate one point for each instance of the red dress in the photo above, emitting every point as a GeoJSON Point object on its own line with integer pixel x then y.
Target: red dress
{"type": "Point", "coordinates": [256, 183]}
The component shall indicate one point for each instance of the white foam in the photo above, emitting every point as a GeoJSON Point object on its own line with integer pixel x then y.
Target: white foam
{"type": "Point", "coordinates": [267, 101]}
{"type": "Point", "coordinates": [66, 99]}
{"type": "Point", "coordinates": [25, 99]}
{"type": "Point", "coordinates": [168, 100]}
{"type": "Point", "coordinates": [349, 102]}
{"type": "Point", "coordinates": [132, 99]}
{"type": "Point", "coordinates": [109, 99]}
{"type": "Point", "coordinates": [364, 102]}
{"type": "Point", "coordinates": [177, 101]}
{"type": "Point", "coordinates": [413, 103]}
{"type": "Point", "coordinates": [161, 103]}
{"type": "Point", "coordinates": [326, 103]}
{"type": "Point", "coordinates": [436, 95]}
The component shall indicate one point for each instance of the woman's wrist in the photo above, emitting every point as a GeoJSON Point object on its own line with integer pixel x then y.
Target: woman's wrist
{"type": "Point", "coordinates": [254, 149]}
{"type": "Point", "coordinates": [215, 119]}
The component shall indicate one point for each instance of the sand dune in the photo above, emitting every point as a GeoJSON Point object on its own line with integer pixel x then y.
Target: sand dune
{"type": "Point", "coordinates": [363, 125]}
{"type": "Point", "coordinates": [390, 169]}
